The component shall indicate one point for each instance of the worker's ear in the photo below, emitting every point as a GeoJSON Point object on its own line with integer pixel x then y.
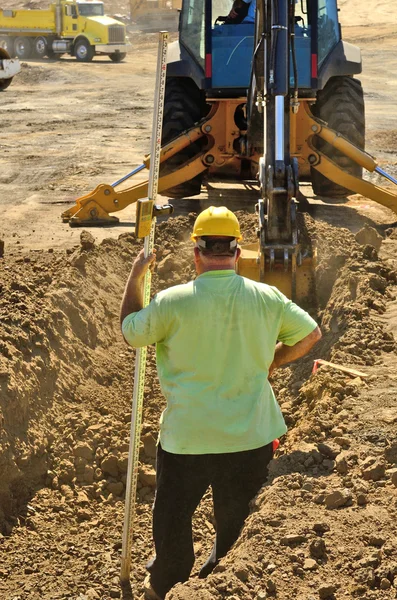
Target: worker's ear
{"type": "Point", "coordinates": [238, 254]}
{"type": "Point", "coordinates": [196, 254]}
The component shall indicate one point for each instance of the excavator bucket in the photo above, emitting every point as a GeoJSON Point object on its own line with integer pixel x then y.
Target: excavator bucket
{"type": "Point", "coordinates": [296, 280]}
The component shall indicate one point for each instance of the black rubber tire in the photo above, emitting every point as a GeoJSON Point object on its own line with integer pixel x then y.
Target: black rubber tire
{"type": "Point", "coordinates": [40, 47]}
{"type": "Point", "coordinates": [23, 48]}
{"type": "Point", "coordinates": [4, 83]}
{"type": "Point", "coordinates": [83, 51]}
{"type": "Point", "coordinates": [183, 107]}
{"type": "Point", "coordinates": [7, 43]}
{"type": "Point", "coordinates": [341, 105]}
{"type": "Point", "coordinates": [117, 56]}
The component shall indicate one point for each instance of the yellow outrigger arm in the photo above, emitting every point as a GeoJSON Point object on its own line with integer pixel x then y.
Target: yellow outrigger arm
{"type": "Point", "coordinates": [96, 207]}
{"type": "Point", "coordinates": [335, 173]}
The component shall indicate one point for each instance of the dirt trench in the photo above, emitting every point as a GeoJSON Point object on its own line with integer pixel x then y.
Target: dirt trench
{"type": "Point", "coordinates": [325, 524]}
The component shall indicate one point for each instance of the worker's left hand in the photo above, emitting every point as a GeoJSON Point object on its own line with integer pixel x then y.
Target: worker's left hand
{"type": "Point", "coordinates": [142, 264]}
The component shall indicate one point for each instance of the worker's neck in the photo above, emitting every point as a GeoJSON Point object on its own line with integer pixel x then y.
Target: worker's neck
{"type": "Point", "coordinates": [215, 266]}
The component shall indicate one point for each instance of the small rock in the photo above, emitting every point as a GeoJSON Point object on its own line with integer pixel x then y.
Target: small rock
{"type": "Point", "coordinates": [317, 548]}
{"type": "Point", "coordinates": [79, 261]}
{"type": "Point", "coordinates": [338, 498]}
{"type": "Point", "coordinates": [369, 252]}
{"type": "Point", "coordinates": [391, 453]}
{"type": "Point", "coordinates": [147, 476]}
{"type": "Point", "coordinates": [394, 478]}
{"type": "Point", "coordinates": [122, 463]}
{"type": "Point", "coordinates": [369, 235]}
{"type": "Point", "coordinates": [321, 528]}
{"type": "Point", "coordinates": [83, 515]}
{"type": "Point", "coordinates": [309, 564]}
{"type": "Point", "coordinates": [271, 567]}
{"type": "Point", "coordinates": [291, 539]}
{"type": "Point", "coordinates": [116, 488]}
{"type": "Point", "coordinates": [341, 464]}
{"type": "Point", "coordinates": [89, 473]}
{"type": "Point", "coordinates": [92, 594]}
{"type": "Point", "coordinates": [166, 266]}
{"type": "Point", "coordinates": [242, 574]}
{"type": "Point", "coordinates": [336, 432]}
{"type": "Point", "coordinates": [150, 445]}
{"type": "Point", "coordinates": [114, 592]}
{"type": "Point", "coordinates": [328, 464]}
{"type": "Point", "coordinates": [29, 570]}
{"type": "Point", "coordinates": [83, 451]}
{"type": "Point", "coordinates": [261, 595]}
{"type": "Point", "coordinates": [326, 591]}
{"type": "Point", "coordinates": [109, 465]}
{"type": "Point", "coordinates": [82, 498]}
{"type": "Point", "coordinates": [66, 491]}
{"type": "Point", "coordinates": [373, 472]}
{"type": "Point", "coordinates": [342, 441]}
{"type": "Point", "coordinates": [384, 583]}
{"type": "Point", "coordinates": [87, 240]}
{"type": "Point", "coordinates": [362, 499]}
{"type": "Point", "coordinates": [67, 472]}
{"type": "Point", "coordinates": [271, 586]}
{"type": "Point", "coordinates": [1, 248]}
{"type": "Point", "coordinates": [376, 541]}
{"type": "Point", "coordinates": [327, 450]}
{"type": "Point", "coordinates": [319, 498]}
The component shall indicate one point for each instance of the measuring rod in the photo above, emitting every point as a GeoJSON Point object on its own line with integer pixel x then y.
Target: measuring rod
{"type": "Point", "coordinates": [145, 227]}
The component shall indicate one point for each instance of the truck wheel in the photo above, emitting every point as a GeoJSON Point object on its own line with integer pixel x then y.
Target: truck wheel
{"type": "Point", "coordinates": [83, 51]}
{"type": "Point", "coordinates": [117, 56]}
{"type": "Point", "coordinates": [341, 105]}
{"type": "Point", "coordinates": [183, 107]}
{"type": "Point", "coordinates": [7, 43]}
{"type": "Point", "coordinates": [23, 48]}
{"type": "Point", "coordinates": [4, 83]}
{"type": "Point", "coordinates": [40, 47]}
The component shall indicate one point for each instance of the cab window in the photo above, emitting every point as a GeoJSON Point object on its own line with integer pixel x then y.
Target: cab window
{"type": "Point", "coordinates": [192, 28]}
{"type": "Point", "coordinates": [328, 28]}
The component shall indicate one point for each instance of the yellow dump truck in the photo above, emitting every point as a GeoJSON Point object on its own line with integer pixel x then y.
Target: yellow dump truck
{"type": "Point", "coordinates": [80, 29]}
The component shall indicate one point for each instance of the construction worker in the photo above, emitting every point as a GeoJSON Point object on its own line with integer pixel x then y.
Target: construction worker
{"type": "Point", "coordinates": [218, 338]}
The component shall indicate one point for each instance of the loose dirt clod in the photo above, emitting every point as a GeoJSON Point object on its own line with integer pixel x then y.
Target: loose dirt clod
{"type": "Point", "coordinates": [369, 236]}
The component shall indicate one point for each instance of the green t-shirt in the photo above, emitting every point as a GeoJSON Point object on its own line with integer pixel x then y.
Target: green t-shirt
{"type": "Point", "coordinates": [215, 339]}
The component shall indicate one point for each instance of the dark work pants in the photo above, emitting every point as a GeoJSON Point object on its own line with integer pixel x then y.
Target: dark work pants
{"type": "Point", "coordinates": [182, 480]}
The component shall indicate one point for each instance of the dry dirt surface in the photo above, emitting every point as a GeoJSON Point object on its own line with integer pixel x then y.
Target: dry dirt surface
{"type": "Point", "coordinates": [325, 524]}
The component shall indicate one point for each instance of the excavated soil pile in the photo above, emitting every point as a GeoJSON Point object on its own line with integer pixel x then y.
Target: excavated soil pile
{"type": "Point", "coordinates": [325, 524]}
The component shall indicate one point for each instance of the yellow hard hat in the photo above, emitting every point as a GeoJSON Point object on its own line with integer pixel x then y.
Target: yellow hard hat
{"type": "Point", "coordinates": [216, 220]}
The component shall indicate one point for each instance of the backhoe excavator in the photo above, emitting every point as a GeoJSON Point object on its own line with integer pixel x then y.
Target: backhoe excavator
{"type": "Point", "coordinates": [302, 119]}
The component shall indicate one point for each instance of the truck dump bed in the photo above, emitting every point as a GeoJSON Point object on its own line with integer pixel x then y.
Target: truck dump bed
{"type": "Point", "coordinates": [40, 21]}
